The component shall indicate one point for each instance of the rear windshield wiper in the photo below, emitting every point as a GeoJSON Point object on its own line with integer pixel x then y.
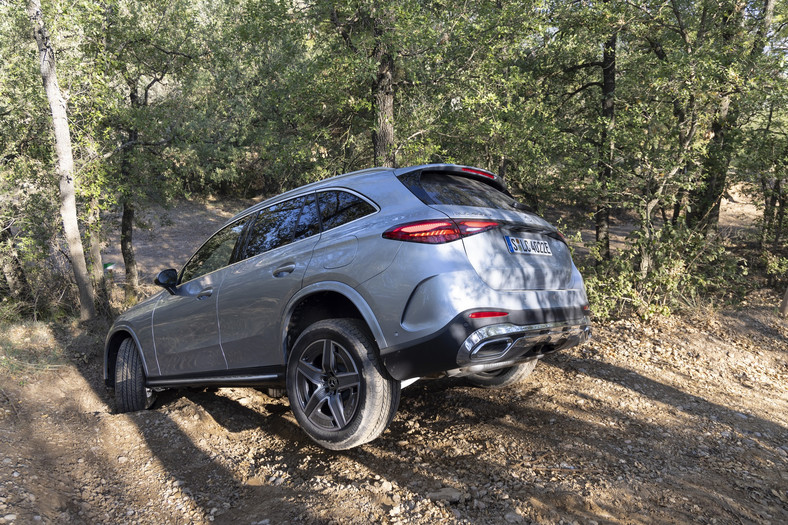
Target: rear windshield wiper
{"type": "Point", "coordinates": [522, 207]}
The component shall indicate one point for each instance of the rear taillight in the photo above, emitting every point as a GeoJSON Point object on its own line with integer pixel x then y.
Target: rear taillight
{"type": "Point", "coordinates": [469, 227]}
{"type": "Point", "coordinates": [438, 231]}
{"type": "Point", "coordinates": [430, 232]}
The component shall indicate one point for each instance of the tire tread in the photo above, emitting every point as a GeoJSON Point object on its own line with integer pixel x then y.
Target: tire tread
{"type": "Point", "coordinates": [129, 379]}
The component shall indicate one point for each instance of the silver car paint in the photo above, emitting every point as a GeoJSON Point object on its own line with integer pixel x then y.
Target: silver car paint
{"type": "Point", "coordinates": [185, 331]}
{"type": "Point", "coordinates": [251, 297]}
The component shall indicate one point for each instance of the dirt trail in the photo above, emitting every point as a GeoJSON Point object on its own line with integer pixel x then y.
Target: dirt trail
{"type": "Point", "coordinates": [683, 420]}
{"type": "Point", "coordinates": [679, 421]}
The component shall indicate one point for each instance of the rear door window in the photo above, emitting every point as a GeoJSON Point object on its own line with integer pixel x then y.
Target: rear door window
{"type": "Point", "coordinates": [309, 221]}
{"type": "Point", "coordinates": [282, 224]}
{"type": "Point", "coordinates": [339, 207]}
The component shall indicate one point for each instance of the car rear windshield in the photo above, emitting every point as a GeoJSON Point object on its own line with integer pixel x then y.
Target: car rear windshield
{"type": "Point", "coordinates": [445, 188]}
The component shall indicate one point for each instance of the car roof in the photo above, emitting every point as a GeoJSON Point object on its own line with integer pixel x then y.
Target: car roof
{"type": "Point", "coordinates": [347, 179]}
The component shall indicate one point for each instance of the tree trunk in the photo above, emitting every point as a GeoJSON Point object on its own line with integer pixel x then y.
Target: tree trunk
{"type": "Point", "coordinates": [383, 87]}
{"type": "Point", "coordinates": [131, 285]}
{"type": "Point", "coordinates": [65, 159]}
{"type": "Point", "coordinates": [705, 198]}
{"type": "Point", "coordinates": [784, 305]}
{"type": "Point", "coordinates": [607, 146]}
{"type": "Point", "coordinates": [127, 249]}
{"type": "Point", "coordinates": [383, 91]}
{"type": "Point", "coordinates": [13, 271]}
{"type": "Point", "coordinates": [96, 261]}
{"type": "Point", "coordinates": [780, 219]}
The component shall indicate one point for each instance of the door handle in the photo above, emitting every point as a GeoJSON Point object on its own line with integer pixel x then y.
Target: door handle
{"type": "Point", "coordinates": [204, 294]}
{"type": "Point", "coordinates": [284, 270]}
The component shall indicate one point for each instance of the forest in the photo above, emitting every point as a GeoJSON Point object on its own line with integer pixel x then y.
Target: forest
{"type": "Point", "coordinates": [646, 112]}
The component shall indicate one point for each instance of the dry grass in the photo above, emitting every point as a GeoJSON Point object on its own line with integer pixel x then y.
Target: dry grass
{"type": "Point", "coordinates": [29, 346]}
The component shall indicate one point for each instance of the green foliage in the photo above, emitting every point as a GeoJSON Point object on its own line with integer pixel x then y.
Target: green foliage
{"type": "Point", "coordinates": [776, 267]}
{"type": "Point", "coordinates": [687, 267]}
{"type": "Point", "coordinates": [250, 97]}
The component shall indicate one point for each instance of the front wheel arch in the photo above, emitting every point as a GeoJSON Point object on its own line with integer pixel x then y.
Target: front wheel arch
{"type": "Point", "coordinates": [111, 348]}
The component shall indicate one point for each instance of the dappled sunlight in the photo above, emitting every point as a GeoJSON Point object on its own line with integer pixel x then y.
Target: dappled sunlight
{"type": "Point", "coordinates": [615, 430]}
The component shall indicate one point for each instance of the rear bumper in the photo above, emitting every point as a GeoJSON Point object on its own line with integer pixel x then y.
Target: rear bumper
{"type": "Point", "coordinates": [462, 348]}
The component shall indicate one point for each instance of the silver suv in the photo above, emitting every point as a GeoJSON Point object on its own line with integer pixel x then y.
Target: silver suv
{"type": "Point", "coordinates": [345, 290]}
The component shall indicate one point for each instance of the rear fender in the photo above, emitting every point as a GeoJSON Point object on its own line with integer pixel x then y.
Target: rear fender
{"type": "Point", "coordinates": [350, 294]}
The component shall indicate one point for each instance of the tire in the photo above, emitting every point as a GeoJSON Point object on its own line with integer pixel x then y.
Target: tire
{"type": "Point", "coordinates": [503, 377]}
{"type": "Point", "coordinates": [339, 393]}
{"type": "Point", "coordinates": [130, 392]}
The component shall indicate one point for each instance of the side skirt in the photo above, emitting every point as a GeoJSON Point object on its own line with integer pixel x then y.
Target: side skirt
{"type": "Point", "coordinates": [268, 376]}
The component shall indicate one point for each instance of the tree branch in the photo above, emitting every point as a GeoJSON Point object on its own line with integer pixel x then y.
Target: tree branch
{"type": "Point", "coordinates": [582, 88]}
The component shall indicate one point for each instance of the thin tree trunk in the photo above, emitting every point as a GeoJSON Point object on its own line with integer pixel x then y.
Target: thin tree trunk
{"type": "Point", "coordinates": [65, 159]}
{"type": "Point", "coordinates": [127, 249]}
{"type": "Point", "coordinates": [94, 236]}
{"type": "Point", "coordinates": [607, 144]}
{"type": "Point", "coordinates": [131, 286]}
{"type": "Point", "coordinates": [13, 271]}
{"type": "Point", "coordinates": [784, 305]}
{"type": "Point", "coordinates": [769, 195]}
{"type": "Point", "coordinates": [780, 219]}
{"type": "Point", "coordinates": [383, 136]}
{"type": "Point", "coordinates": [383, 88]}
{"type": "Point", "coordinates": [770, 204]}
{"type": "Point", "coordinates": [96, 260]}
{"type": "Point", "coordinates": [678, 206]}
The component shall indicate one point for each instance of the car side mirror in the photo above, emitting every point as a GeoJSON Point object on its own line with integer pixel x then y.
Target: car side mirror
{"type": "Point", "coordinates": [167, 279]}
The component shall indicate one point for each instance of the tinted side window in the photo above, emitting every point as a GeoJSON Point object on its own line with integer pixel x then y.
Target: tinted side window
{"type": "Point", "coordinates": [274, 227]}
{"type": "Point", "coordinates": [443, 188]}
{"type": "Point", "coordinates": [308, 222]}
{"type": "Point", "coordinates": [282, 224]}
{"type": "Point", "coordinates": [339, 207]}
{"type": "Point", "coordinates": [215, 253]}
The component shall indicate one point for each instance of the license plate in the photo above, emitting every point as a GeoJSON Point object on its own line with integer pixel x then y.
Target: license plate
{"type": "Point", "coordinates": [528, 246]}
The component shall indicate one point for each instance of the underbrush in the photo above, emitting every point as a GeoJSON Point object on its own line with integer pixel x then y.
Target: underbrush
{"type": "Point", "coordinates": [678, 271]}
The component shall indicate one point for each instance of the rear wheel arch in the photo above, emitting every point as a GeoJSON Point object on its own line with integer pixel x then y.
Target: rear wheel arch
{"type": "Point", "coordinates": [327, 301]}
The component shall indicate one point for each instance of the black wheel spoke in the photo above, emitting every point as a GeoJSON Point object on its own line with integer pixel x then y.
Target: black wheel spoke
{"type": "Point", "coordinates": [337, 410]}
{"type": "Point", "coordinates": [312, 374]}
{"type": "Point", "coordinates": [314, 404]}
{"type": "Point", "coordinates": [347, 380]}
{"type": "Point", "coordinates": [329, 360]}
